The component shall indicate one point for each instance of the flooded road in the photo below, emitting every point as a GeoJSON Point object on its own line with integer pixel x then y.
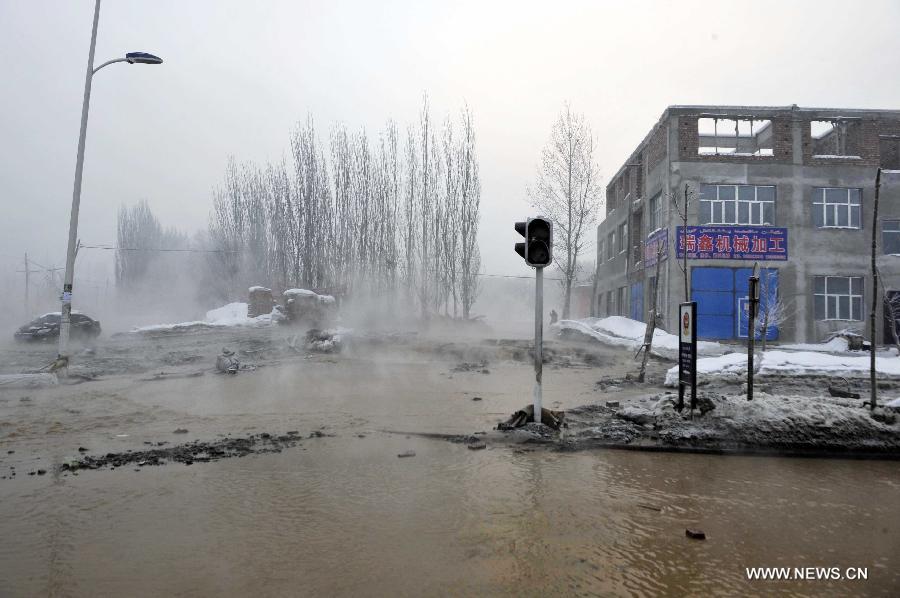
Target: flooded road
{"type": "Point", "coordinates": [342, 515]}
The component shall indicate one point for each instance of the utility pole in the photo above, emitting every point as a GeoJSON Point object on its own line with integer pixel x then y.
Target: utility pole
{"type": "Point", "coordinates": [538, 341]}
{"type": "Point", "coordinates": [66, 298]}
{"type": "Point", "coordinates": [751, 328]}
{"type": "Point", "coordinates": [27, 284]}
{"type": "Point", "coordinates": [28, 272]}
{"type": "Point", "coordinates": [873, 399]}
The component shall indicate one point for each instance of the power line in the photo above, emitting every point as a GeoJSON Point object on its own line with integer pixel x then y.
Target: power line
{"type": "Point", "coordinates": [165, 249]}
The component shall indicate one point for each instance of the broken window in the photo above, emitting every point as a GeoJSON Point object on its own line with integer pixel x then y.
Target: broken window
{"type": "Point", "coordinates": [721, 136]}
{"type": "Point", "coordinates": [752, 205]}
{"type": "Point", "coordinates": [890, 237]}
{"type": "Point", "coordinates": [838, 297]}
{"type": "Point", "coordinates": [837, 207]}
{"type": "Point", "coordinates": [835, 138]}
{"type": "Point", "coordinates": [890, 152]}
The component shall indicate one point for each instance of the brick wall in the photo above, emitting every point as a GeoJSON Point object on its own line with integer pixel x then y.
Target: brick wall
{"type": "Point", "coordinates": [656, 148]}
{"type": "Point", "coordinates": [689, 141]}
{"type": "Point", "coordinates": [863, 141]}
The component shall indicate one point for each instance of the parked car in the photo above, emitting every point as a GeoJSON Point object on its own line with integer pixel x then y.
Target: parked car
{"type": "Point", "coordinates": [46, 327]}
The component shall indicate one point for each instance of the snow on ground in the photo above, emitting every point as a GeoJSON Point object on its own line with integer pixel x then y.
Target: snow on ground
{"type": "Point", "coordinates": [773, 421]}
{"type": "Point", "coordinates": [624, 332]}
{"type": "Point", "coordinates": [233, 314]}
{"type": "Point", "coordinates": [835, 345]}
{"type": "Point", "coordinates": [802, 363]}
{"type": "Point", "coordinates": [291, 293]}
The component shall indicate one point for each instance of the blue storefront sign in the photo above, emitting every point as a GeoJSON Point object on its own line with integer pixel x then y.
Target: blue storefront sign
{"type": "Point", "coordinates": [732, 243]}
{"type": "Point", "coordinates": [657, 244]}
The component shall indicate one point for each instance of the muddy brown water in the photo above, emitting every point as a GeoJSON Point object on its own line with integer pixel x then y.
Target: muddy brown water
{"type": "Point", "coordinates": [343, 515]}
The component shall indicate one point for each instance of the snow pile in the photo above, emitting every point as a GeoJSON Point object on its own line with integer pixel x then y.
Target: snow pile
{"type": "Point", "coordinates": [233, 314]}
{"type": "Point", "coordinates": [836, 345]}
{"type": "Point", "coordinates": [293, 293]}
{"type": "Point", "coordinates": [624, 332]}
{"type": "Point", "coordinates": [785, 363]}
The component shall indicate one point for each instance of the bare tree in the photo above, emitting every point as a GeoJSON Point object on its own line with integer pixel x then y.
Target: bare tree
{"type": "Point", "coordinates": [469, 204]}
{"type": "Point", "coordinates": [681, 208]}
{"type": "Point", "coordinates": [653, 316]}
{"type": "Point", "coordinates": [568, 192]}
{"type": "Point", "coordinates": [772, 312]}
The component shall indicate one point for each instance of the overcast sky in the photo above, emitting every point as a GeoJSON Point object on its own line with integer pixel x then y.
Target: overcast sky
{"type": "Point", "coordinates": [238, 75]}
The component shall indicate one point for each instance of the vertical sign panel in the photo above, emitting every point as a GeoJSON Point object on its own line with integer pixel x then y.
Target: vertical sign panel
{"type": "Point", "coordinates": [687, 352]}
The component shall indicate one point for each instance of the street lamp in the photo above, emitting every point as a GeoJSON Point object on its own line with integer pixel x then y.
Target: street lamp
{"type": "Point", "coordinates": [130, 58]}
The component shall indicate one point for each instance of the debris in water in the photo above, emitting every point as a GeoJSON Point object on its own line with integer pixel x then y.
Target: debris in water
{"type": "Point", "coordinates": [477, 446]}
{"type": "Point", "coordinates": [612, 404]}
{"type": "Point", "coordinates": [695, 534]}
{"type": "Point", "coordinates": [180, 431]}
{"type": "Point", "coordinates": [407, 454]}
{"type": "Point", "coordinates": [553, 419]}
{"type": "Point", "coordinates": [476, 398]}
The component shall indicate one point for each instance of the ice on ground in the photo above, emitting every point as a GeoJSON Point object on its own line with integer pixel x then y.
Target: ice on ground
{"type": "Point", "coordinates": [233, 314]}
{"type": "Point", "coordinates": [787, 363]}
{"type": "Point", "coordinates": [624, 332]}
{"type": "Point", "coordinates": [895, 403]}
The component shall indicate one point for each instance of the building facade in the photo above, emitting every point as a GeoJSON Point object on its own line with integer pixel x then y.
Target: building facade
{"type": "Point", "coordinates": [787, 189]}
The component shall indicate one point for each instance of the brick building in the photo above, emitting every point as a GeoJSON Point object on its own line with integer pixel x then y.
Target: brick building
{"type": "Point", "coordinates": [790, 189]}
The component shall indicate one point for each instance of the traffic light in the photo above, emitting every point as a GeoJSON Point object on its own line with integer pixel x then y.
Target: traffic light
{"type": "Point", "coordinates": [538, 246]}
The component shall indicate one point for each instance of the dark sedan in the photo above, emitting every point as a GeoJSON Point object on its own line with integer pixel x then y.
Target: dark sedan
{"type": "Point", "coordinates": [47, 327]}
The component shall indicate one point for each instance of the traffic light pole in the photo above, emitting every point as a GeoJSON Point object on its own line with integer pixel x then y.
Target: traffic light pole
{"type": "Point", "coordinates": [538, 341]}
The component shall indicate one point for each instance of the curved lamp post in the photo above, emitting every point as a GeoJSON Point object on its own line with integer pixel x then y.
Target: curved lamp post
{"type": "Point", "coordinates": [130, 58]}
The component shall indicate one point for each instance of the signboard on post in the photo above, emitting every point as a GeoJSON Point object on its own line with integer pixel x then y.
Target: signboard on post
{"type": "Point", "coordinates": [687, 352]}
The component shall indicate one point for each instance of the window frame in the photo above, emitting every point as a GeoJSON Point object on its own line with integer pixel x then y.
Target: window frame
{"type": "Point", "coordinates": [720, 207]}
{"type": "Point", "coordinates": [893, 231]}
{"type": "Point", "coordinates": [622, 242]}
{"type": "Point", "coordinates": [611, 242]}
{"type": "Point", "coordinates": [820, 201]}
{"type": "Point", "coordinates": [654, 211]}
{"type": "Point", "coordinates": [828, 305]}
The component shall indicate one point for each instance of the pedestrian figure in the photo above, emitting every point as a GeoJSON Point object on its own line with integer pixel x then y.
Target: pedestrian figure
{"type": "Point", "coordinates": [553, 316]}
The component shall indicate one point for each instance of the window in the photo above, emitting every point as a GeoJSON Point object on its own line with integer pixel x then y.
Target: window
{"type": "Point", "coordinates": [623, 234]}
{"type": "Point", "coordinates": [889, 149]}
{"type": "Point", "coordinates": [600, 252]}
{"type": "Point", "coordinates": [836, 207]}
{"type": "Point", "coordinates": [719, 136]}
{"type": "Point", "coordinates": [838, 297]}
{"type": "Point", "coordinates": [622, 302]}
{"type": "Point", "coordinates": [890, 237]}
{"type": "Point", "coordinates": [737, 204]}
{"type": "Point", "coordinates": [837, 138]}
{"type": "Point", "coordinates": [655, 218]}
{"type": "Point", "coordinates": [610, 244]}
{"type": "Point", "coordinates": [610, 310]}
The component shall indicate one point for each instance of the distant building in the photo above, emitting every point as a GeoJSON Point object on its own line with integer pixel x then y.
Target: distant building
{"type": "Point", "coordinates": [790, 188]}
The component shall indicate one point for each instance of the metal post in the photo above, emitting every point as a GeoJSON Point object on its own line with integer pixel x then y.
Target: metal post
{"type": "Point", "coordinates": [751, 331]}
{"type": "Point", "coordinates": [76, 198]}
{"type": "Point", "coordinates": [27, 284]}
{"type": "Point", "coordinates": [538, 341]}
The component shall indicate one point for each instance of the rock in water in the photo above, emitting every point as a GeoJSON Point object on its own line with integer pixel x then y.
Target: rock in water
{"type": "Point", "coordinates": [695, 534]}
{"type": "Point", "coordinates": [407, 454]}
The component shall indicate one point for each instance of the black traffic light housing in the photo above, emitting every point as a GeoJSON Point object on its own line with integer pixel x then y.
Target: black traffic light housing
{"type": "Point", "coordinates": [538, 246]}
